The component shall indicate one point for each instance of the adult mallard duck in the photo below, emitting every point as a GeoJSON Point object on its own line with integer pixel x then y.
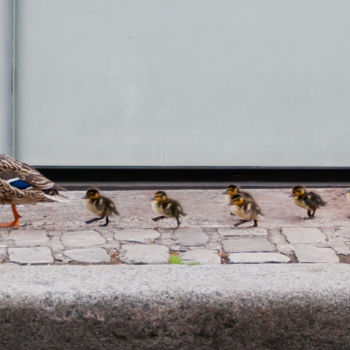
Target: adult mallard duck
{"type": "Point", "coordinates": [22, 184]}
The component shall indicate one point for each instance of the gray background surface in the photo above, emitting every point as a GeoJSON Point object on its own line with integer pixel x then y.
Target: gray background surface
{"type": "Point", "coordinates": [5, 74]}
{"type": "Point", "coordinates": [186, 82]}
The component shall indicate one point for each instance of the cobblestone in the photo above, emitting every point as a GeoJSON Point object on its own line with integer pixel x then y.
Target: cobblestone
{"type": "Point", "coordinates": [137, 235]}
{"type": "Point", "coordinates": [32, 255]}
{"type": "Point", "coordinates": [240, 258]}
{"type": "Point", "coordinates": [246, 231]}
{"type": "Point", "coordinates": [88, 255]}
{"type": "Point", "coordinates": [29, 237]}
{"type": "Point", "coordinates": [281, 242]}
{"type": "Point", "coordinates": [82, 239]}
{"type": "Point", "coordinates": [303, 235]}
{"type": "Point", "coordinates": [201, 256]}
{"type": "Point", "coordinates": [247, 245]}
{"type": "Point", "coordinates": [56, 244]}
{"type": "Point", "coordinates": [57, 233]}
{"type": "Point", "coordinates": [190, 237]}
{"type": "Point", "coordinates": [306, 253]}
{"type": "Point", "coordinates": [338, 246]}
{"type": "Point", "coordinates": [343, 232]}
{"type": "Point", "coordinates": [144, 254]}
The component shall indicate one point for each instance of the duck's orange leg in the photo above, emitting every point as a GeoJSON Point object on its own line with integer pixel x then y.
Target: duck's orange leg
{"type": "Point", "coordinates": [15, 222]}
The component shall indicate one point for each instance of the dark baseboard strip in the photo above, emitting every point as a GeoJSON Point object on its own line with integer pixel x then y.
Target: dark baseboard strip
{"type": "Point", "coordinates": [156, 186]}
{"type": "Point", "coordinates": [196, 177]}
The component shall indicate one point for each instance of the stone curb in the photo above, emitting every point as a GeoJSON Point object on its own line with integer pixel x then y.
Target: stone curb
{"type": "Point", "coordinates": [280, 306]}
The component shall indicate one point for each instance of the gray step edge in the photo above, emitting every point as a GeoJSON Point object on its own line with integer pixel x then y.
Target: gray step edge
{"type": "Point", "coordinates": [257, 306]}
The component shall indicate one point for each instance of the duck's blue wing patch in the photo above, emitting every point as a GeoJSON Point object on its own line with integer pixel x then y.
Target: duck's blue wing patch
{"type": "Point", "coordinates": [18, 183]}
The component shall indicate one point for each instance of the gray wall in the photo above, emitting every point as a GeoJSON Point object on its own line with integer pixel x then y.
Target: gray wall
{"type": "Point", "coordinates": [5, 75]}
{"type": "Point", "coordinates": [183, 82]}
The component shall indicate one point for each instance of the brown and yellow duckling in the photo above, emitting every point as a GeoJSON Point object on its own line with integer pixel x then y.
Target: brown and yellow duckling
{"type": "Point", "coordinates": [307, 200]}
{"type": "Point", "coordinates": [99, 205]}
{"type": "Point", "coordinates": [245, 208]}
{"type": "Point", "coordinates": [166, 207]}
{"type": "Point", "coordinates": [232, 190]}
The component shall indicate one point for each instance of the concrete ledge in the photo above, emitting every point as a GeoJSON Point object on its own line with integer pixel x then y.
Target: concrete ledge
{"type": "Point", "coordinates": [175, 307]}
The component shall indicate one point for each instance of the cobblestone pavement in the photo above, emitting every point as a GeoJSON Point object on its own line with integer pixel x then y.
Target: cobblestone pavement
{"type": "Point", "coordinates": [56, 233]}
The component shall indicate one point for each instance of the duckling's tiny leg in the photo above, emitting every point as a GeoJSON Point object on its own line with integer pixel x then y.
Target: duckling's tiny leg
{"type": "Point", "coordinates": [241, 222]}
{"type": "Point", "coordinates": [106, 223]}
{"type": "Point", "coordinates": [255, 223]}
{"type": "Point", "coordinates": [15, 222]}
{"type": "Point", "coordinates": [158, 218]}
{"type": "Point", "coordinates": [178, 222]}
{"type": "Point", "coordinates": [310, 214]}
{"type": "Point", "coordinates": [93, 220]}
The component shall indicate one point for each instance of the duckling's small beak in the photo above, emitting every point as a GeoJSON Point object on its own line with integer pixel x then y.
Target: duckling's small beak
{"type": "Point", "coordinates": [229, 204]}
{"type": "Point", "coordinates": [224, 192]}
{"type": "Point", "coordinates": [291, 195]}
{"type": "Point", "coordinates": [84, 197]}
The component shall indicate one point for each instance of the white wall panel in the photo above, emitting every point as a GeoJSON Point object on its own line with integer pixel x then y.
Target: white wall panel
{"type": "Point", "coordinates": [184, 82]}
{"type": "Point", "coordinates": [5, 74]}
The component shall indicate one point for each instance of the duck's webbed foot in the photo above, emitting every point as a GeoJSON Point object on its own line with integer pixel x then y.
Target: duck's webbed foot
{"type": "Point", "coordinates": [15, 222]}
{"type": "Point", "coordinates": [93, 220]}
{"type": "Point", "coordinates": [241, 222]}
{"type": "Point", "coordinates": [12, 224]}
{"type": "Point", "coordinates": [158, 218]}
{"type": "Point", "coordinates": [106, 223]}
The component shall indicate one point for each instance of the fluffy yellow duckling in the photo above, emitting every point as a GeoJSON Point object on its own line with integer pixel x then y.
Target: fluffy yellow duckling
{"type": "Point", "coordinates": [246, 208]}
{"type": "Point", "coordinates": [307, 200]}
{"type": "Point", "coordinates": [232, 190]}
{"type": "Point", "coordinates": [166, 207]}
{"type": "Point", "coordinates": [99, 205]}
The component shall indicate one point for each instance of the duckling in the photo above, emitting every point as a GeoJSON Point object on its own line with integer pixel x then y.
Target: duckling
{"type": "Point", "coordinates": [232, 190]}
{"type": "Point", "coordinates": [167, 207]}
{"type": "Point", "coordinates": [307, 200]}
{"type": "Point", "coordinates": [246, 208]}
{"type": "Point", "coordinates": [20, 183]}
{"type": "Point", "coordinates": [99, 205]}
